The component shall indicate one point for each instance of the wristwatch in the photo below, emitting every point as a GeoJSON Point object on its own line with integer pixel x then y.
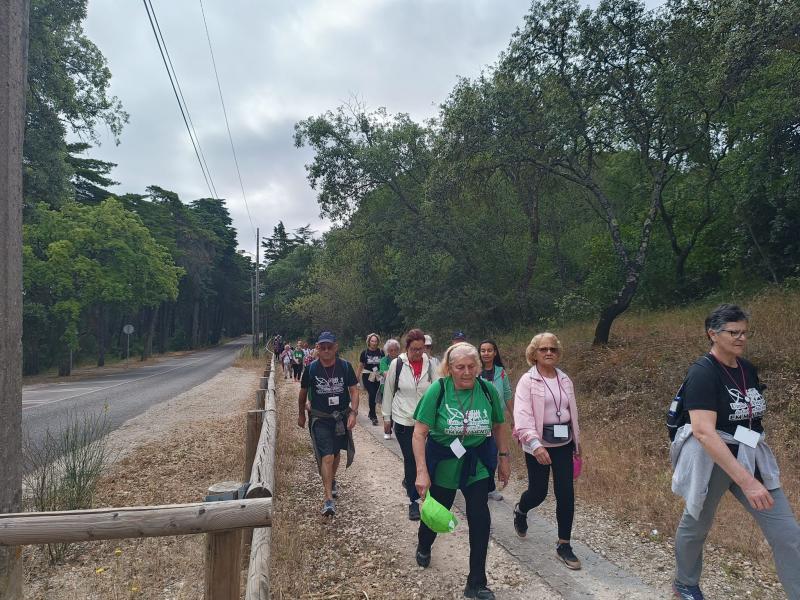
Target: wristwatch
{"type": "Point", "coordinates": [504, 454]}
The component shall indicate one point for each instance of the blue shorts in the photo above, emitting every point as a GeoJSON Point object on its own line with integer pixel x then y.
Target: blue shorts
{"type": "Point", "coordinates": [325, 439]}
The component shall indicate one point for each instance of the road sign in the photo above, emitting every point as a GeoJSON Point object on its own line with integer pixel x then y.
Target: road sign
{"type": "Point", "coordinates": [128, 329]}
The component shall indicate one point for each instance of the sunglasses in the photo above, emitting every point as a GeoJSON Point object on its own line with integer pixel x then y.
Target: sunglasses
{"type": "Point", "coordinates": [545, 350]}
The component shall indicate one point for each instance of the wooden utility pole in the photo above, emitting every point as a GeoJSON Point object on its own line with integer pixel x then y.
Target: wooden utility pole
{"type": "Point", "coordinates": [13, 64]}
{"type": "Point", "coordinates": [257, 330]}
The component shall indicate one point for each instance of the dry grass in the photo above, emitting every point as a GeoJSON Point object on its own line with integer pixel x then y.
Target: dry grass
{"type": "Point", "coordinates": [287, 548]}
{"type": "Point", "coordinates": [246, 360]}
{"type": "Point", "coordinates": [177, 469]}
{"type": "Point", "coordinates": [624, 390]}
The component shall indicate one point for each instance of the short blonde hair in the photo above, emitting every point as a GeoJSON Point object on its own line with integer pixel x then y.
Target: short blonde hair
{"type": "Point", "coordinates": [530, 351]}
{"type": "Point", "coordinates": [373, 335]}
{"type": "Point", "coordinates": [455, 352]}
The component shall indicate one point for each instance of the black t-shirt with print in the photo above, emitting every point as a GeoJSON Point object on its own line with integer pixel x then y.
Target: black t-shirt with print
{"type": "Point", "coordinates": [371, 359]}
{"type": "Point", "coordinates": [710, 385]}
{"type": "Point", "coordinates": [328, 387]}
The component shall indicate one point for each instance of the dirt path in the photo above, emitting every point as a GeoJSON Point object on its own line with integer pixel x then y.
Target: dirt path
{"type": "Point", "coordinates": [368, 549]}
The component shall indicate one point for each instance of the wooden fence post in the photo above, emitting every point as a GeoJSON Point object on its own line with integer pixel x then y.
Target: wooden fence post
{"type": "Point", "coordinates": [223, 555]}
{"type": "Point", "coordinates": [261, 399]}
{"type": "Point", "coordinates": [255, 419]}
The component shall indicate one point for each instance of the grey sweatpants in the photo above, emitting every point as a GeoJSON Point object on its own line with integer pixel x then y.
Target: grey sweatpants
{"type": "Point", "coordinates": [778, 524]}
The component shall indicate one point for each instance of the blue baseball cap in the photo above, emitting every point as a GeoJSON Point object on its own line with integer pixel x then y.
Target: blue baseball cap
{"type": "Point", "coordinates": [459, 335]}
{"type": "Point", "coordinates": [326, 336]}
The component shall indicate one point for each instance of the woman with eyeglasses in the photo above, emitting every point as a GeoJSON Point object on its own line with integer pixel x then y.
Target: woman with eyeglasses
{"type": "Point", "coordinates": [546, 424]}
{"type": "Point", "coordinates": [456, 419]}
{"type": "Point", "coordinates": [408, 378]}
{"type": "Point", "coordinates": [722, 448]}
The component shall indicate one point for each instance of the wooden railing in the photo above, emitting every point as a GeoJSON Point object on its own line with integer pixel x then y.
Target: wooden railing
{"type": "Point", "coordinates": [222, 521]}
{"type": "Point", "coordinates": [262, 478]}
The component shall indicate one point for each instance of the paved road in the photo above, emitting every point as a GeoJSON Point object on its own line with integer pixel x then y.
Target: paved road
{"type": "Point", "coordinates": [127, 394]}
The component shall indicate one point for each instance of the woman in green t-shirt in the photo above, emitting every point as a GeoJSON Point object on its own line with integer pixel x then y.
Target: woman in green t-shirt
{"type": "Point", "coordinates": [455, 419]}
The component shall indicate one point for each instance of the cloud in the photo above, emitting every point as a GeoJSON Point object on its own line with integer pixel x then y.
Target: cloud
{"type": "Point", "coordinates": [278, 62]}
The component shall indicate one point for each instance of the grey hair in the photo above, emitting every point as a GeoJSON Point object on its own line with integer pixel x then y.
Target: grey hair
{"type": "Point", "coordinates": [725, 313]}
{"type": "Point", "coordinates": [390, 343]}
{"type": "Point", "coordinates": [455, 352]}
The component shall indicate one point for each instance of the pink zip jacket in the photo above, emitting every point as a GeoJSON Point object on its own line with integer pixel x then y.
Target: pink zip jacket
{"type": "Point", "coordinates": [529, 408]}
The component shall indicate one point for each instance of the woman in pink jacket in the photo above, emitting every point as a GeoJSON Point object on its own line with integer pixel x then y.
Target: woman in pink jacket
{"type": "Point", "coordinates": [546, 424]}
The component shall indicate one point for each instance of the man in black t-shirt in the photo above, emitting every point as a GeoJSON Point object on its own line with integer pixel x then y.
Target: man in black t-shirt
{"type": "Point", "coordinates": [329, 394]}
{"type": "Point", "coordinates": [726, 451]}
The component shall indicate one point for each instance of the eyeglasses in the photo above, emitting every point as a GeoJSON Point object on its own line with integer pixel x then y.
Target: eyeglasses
{"type": "Point", "coordinates": [416, 349]}
{"type": "Point", "coordinates": [545, 350]}
{"type": "Point", "coordinates": [738, 334]}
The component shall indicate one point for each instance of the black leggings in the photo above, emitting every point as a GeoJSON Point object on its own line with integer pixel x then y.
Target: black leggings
{"type": "Point", "coordinates": [478, 519]}
{"type": "Point", "coordinates": [404, 434]}
{"type": "Point", "coordinates": [297, 370]}
{"type": "Point", "coordinates": [372, 392]}
{"type": "Point", "coordinates": [538, 477]}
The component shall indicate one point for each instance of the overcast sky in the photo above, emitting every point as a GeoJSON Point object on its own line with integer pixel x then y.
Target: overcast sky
{"type": "Point", "coordinates": [278, 62]}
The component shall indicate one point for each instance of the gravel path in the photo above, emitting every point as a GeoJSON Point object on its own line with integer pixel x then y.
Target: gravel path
{"type": "Point", "coordinates": [620, 560]}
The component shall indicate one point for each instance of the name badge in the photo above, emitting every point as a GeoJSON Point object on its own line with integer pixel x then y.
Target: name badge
{"type": "Point", "coordinates": [560, 431]}
{"type": "Point", "coordinates": [746, 436]}
{"type": "Point", "coordinates": [333, 400]}
{"type": "Point", "coordinates": [458, 448]}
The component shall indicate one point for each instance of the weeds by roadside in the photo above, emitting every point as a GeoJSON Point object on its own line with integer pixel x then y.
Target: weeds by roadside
{"type": "Point", "coordinates": [63, 469]}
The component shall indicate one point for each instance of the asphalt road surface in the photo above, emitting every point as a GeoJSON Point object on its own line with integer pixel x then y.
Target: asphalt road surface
{"type": "Point", "coordinates": [126, 394]}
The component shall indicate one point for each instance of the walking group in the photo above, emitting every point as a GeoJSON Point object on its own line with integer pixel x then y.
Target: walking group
{"type": "Point", "coordinates": [451, 418]}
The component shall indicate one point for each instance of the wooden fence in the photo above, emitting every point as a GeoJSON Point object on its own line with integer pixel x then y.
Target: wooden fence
{"type": "Point", "coordinates": [222, 517]}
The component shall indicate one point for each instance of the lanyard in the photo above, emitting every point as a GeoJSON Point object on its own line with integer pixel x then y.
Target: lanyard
{"type": "Point", "coordinates": [465, 410]}
{"type": "Point", "coordinates": [742, 390]}
{"type": "Point", "coordinates": [331, 374]}
{"type": "Point", "coordinates": [558, 381]}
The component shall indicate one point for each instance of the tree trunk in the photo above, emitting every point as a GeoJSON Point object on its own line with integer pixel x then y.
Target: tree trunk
{"type": "Point", "coordinates": [147, 346]}
{"type": "Point", "coordinates": [195, 323]}
{"type": "Point", "coordinates": [529, 197]}
{"type": "Point", "coordinates": [623, 300]}
{"type": "Point", "coordinates": [163, 335]}
{"type": "Point", "coordinates": [13, 48]}
{"type": "Point", "coordinates": [101, 325]}
{"type": "Point", "coordinates": [633, 266]}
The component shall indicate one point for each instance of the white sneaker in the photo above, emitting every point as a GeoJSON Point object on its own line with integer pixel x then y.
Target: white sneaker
{"type": "Point", "coordinates": [495, 495]}
{"type": "Point", "coordinates": [387, 436]}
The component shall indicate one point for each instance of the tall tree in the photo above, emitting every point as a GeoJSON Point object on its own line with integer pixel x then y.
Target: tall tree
{"type": "Point", "coordinates": [68, 80]}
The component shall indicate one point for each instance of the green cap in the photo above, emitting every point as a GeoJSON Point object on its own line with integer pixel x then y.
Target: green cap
{"type": "Point", "coordinates": [436, 516]}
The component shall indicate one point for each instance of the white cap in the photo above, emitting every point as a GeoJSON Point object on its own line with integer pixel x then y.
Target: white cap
{"type": "Point", "coordinates": [428, 340]}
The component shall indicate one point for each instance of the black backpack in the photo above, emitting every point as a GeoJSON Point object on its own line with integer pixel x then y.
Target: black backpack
{"type": "Point", "coordinates": [677, 417]}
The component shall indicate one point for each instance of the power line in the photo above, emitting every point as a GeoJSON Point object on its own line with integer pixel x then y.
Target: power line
{"type": "Point", "coordinates": [225, 113]}
{"type": "Point", "coordinates": [176, 89]}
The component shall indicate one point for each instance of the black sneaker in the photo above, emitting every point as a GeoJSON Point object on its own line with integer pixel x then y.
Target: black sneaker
{"type": "Point", "coordinates": [329, 509]}
{"type": "Point", "coordinates": [520, 521]}
{"type": "Point", "coordinates": [374, 419]}
{"type": "Point", "coordinates": [423, 560]}
{"type": "Point", "coordinates": [564, 552]}
{"type": "Point", "coordinates": [482, 593]}
{"type": "Point", "coordinates": [413, 512]}
{"type": "Point", "coordinates": [687, 592]}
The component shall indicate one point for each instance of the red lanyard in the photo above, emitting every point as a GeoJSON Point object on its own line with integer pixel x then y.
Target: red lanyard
{"type": "Point", "coordinates": [742, 390]}
{"type": "Point", "coordinates": [558, 381]}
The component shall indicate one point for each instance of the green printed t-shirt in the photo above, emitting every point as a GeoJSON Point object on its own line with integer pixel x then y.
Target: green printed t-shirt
{"type": "Point", "coordinates": [447, 424]}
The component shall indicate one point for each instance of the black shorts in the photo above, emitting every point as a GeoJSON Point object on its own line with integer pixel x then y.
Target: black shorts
{"type": "Point", "coordinates": [325, 439]}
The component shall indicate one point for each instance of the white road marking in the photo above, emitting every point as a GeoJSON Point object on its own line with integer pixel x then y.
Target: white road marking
{"type": "Point", "coordinates": [100, 389]}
